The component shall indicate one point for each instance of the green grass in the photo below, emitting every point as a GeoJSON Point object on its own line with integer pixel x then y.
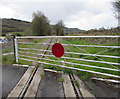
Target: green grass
{"type": "Point", "coordinates": [75, 83]}
{"type": "Point", "coordinates": [10, 49]}
{"type": "Point", "coordinates": [61, 80]}
{"type": "Point", "coordinates": [8, 60]}
{"type": "Point", "coordinates": [113, 52]}
{"type": "Point", "coordinates": [37, 46]}
{"type": "Point", "coordinates": [30, 46]}
{"type": "Point", "coordinates": [90, 50]}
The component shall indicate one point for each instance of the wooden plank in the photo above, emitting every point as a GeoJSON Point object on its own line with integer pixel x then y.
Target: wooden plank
{"type": "Point", "coordinates": [84, 91]}
{"type": "Point", "coordinates": [23, 65]}
{"type": "Point", "coordinates": [68, 88]}
{"type": "Point", "coordinates": [20, 85]}
{"type": "Point", "coordinates": [76, 88]}
{"type": "Point", "coordinates": [54, 71]}
{"type": "Point", "coordinates": [32, 90]}
{"type": "Point", "coordinates": [50, 70]}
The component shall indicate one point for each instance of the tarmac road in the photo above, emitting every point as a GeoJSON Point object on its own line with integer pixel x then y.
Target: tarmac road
{"type": "Point", "coordinates": [50, 87]}
{"type": "Point", "coordinates": [10, 76]}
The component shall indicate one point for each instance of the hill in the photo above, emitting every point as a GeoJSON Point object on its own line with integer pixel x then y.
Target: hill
{"type": "Point", "coordinates": [14, 25]}
{"type": "Point", "coordinates": [20, 27]}
{"type": "Point", "coordinates": [70, 31]}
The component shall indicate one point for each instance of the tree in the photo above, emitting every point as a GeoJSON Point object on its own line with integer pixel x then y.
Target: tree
{"type": "Point", "coordinates": [59, 28]}
{"type": "Point", "coordinates": [116, 6]}
{"type": "Point", "coordinates": [40, 24]}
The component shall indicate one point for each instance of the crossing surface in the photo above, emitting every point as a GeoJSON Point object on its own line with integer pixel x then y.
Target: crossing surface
{"type": "Point", "coordinates": [48, 85]}
{"type": "Point", "coordinates": [35, 82]}
{"type": "Point", "coordinates": [10, 77]}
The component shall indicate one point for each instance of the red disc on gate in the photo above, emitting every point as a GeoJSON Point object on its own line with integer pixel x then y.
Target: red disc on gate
{"type": "Point", "coordinates": [57, 50]}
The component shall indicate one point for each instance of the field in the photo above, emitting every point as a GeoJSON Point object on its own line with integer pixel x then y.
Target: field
{"type": "Point", "coordinates": [67, 62]}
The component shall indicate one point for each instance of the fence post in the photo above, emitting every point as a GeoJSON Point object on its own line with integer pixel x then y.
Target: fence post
{"type": "Point", "coordinates": [15, 49]}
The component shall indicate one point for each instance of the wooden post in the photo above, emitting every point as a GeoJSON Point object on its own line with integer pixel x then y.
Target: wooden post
{"type": "Point", "coordinates": [15, 48]}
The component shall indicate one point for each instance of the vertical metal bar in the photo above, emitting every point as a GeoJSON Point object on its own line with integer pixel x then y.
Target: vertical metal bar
{"type": "Point", "coordinates": [15, 49]}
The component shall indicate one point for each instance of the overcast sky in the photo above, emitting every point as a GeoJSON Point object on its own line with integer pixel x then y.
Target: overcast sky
{"type": "Point", "coordinates": [82, 14]}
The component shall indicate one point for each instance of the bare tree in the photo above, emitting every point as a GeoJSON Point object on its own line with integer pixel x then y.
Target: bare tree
{"type": "Point", "coordinates": [59, 28]}
{"type": "Point", "coordinates": [116, 6]}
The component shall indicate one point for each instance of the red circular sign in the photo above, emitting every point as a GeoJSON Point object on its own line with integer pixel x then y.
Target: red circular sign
{"type": "Point", "coordinates": [57, 50]}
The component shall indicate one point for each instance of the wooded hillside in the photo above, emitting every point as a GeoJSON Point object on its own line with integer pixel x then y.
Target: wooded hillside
{"type": "Point", "coordinates": [14, 25]}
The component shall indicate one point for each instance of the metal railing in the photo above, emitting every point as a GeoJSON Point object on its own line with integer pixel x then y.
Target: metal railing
{"type": "Point", "coordinates": [29, 55]}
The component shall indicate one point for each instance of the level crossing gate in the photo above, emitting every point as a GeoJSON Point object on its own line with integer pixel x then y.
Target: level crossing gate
{"type": "Point", "coordinates": [98, 58]}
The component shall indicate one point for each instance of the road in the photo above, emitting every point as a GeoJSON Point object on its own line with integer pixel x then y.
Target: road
{"type": "Point", "coordinates": [10, 76]}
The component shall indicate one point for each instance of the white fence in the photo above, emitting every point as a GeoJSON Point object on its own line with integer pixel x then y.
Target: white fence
{"type": "Point", "coordinates": [114, 65]}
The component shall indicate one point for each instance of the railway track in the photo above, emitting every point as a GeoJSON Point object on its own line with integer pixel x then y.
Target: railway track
{"type": "Point", "coordinates": [29, 83]}
{"type": "Point", "coordinates": [31, 72]}
{"type": "Point", "coordinates": [32, 82]}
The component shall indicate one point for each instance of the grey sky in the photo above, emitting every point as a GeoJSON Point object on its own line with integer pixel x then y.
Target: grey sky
{"type": "Point", "coordinates": [82, 14]}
